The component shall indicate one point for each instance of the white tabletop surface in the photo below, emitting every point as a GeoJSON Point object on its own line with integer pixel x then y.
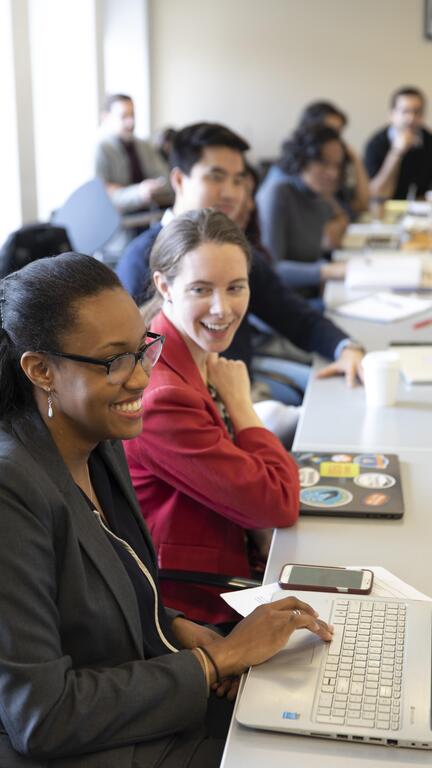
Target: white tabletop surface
{"type": "Point", "coordinates": [403, 547]}
{"type": "Point", "coordinates": [336, 418]}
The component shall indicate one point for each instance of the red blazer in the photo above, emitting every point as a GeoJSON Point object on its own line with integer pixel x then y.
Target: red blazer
{"type": "Point", "coordinates": [198, 490]}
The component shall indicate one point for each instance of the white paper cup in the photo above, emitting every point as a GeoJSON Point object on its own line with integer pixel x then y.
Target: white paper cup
{"type": "Point", "coordinates": [381, 378]}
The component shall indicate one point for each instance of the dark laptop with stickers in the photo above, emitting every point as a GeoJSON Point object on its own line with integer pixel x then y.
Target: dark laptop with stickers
{"type": "Point", "coordinates": [350, 484]}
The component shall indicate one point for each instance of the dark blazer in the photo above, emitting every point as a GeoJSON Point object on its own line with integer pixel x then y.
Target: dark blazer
{"type": "Point", "coordinates": [73, 679]}
{"type": "Point", "coordinates": [270, 300]}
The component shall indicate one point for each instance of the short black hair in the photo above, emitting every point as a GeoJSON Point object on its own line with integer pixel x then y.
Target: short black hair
{"type": "Point", "coordinates": [112, 98]}
{"type": "Point", "coordinates": [189, 143]}
{"type": "Point", "coordinates": [305, 146]}
{"type": "Point", "coordinates": [316, 112]}
{"type": "Point", "coordinates": [407, 90]}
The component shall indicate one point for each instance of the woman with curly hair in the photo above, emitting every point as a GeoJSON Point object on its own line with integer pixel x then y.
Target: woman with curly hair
{"type": "Point", "coordinates": [300, 217]}
{"type": "Point", "coordinates": [353, 191]}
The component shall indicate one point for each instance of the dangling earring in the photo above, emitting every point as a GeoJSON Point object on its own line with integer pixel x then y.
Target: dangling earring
{"type": "Point", "coordinates": [50, 404]}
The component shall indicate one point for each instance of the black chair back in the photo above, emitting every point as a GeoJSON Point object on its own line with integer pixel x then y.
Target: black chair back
{"type": "Point", "coordinates": [32, 242]}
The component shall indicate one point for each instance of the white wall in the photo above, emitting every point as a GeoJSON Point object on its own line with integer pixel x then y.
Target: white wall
{"type": "Point", "coordinates": [125, 55]}
{"type": "Point", "coordinates": [253, 64]}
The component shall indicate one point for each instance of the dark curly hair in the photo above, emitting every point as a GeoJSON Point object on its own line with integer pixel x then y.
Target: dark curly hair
{"type": "Point", "coordinates": [305, 146]}
{"type": "Point", "coordinates": [316, 112]}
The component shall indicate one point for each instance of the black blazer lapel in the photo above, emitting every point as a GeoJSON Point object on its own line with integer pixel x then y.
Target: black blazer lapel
{"type": "Point", "coordinates": [115, 459]}
{"type": "Point", "coordinates": [33, 434]}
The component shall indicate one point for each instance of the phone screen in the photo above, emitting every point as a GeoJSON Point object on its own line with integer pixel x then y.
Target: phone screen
{"type": "Point", "coordinates": [325, 577]}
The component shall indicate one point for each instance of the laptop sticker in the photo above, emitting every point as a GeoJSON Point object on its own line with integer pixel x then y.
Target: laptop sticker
{"type": "Point", "coordinates": [304, 456]}
{"type": "Point", "coordinates": [341, 457]}
{"type": "Point", "coordinates": [374, 480]}
{"type": "Point", "coordinates": [317, 459]}
{"type": "Point", "coordinates": [372, 460]}
{"type": "Point", "coordinates": [338, 469]}
{"type": "Point", "coordinates": [308, 476]}
{"type": "Point", "coordinates": [376, 499]}
{"type": "Point", "coordinates": [325, 496]}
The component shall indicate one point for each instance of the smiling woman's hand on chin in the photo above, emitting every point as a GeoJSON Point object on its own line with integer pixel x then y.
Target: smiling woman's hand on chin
{"type": "Point", "coordinates": [231, 380]}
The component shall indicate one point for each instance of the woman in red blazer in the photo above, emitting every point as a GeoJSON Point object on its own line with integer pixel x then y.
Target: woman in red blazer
{"type": "Point", "coordinates": [206, 472]}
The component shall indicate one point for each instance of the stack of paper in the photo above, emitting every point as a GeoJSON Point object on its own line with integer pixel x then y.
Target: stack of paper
{"type": "Point", "coordinates": [387, 271]}
{"type": "Point", "coordinates": [384, 307]}
{"type": "Point", "coordinates": [359, 235]}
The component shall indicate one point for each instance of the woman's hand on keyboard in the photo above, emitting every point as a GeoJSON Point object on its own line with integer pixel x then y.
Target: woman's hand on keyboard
{"type": "Point", "coordinates": [263, 633]}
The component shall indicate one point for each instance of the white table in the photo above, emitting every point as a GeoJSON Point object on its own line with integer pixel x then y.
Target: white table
{"type": "Point", "coordinates": [336, 419]}
{"type": "Point", "coordinates": [402, 546]}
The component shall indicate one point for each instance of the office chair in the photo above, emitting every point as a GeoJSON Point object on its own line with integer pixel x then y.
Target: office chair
{"type": "Point", "coordinates": [30, 243]}
{"type": "Point", "coordinates": [209, 579]}
{"type": "Point", "coordinates": [89, 217]}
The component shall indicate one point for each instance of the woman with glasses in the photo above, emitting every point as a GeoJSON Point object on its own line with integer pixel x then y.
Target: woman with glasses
{"type": "Point", "coordinates": [94, 671]}
{"type": "Point", "coordinates": [210, 479]}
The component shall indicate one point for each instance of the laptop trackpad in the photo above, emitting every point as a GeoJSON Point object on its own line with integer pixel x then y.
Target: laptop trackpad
{"type": "Point", "coordinates": [302, 650]}
{"type": "Point", "coordinates": [293, 673]}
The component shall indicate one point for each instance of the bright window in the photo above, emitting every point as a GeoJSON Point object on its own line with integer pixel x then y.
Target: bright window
{"type": "Point", "coordinates": [10, 204]}
{"type": "Point", "coordinates": [64, 74]}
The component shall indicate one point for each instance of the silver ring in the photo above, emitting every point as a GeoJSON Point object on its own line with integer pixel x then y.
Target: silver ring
{"type": "Point", "coordinates": [296, 611]}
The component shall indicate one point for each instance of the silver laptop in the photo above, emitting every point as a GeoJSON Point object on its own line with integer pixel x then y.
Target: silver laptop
{"type": "Point", "coordinates": [371, 684]}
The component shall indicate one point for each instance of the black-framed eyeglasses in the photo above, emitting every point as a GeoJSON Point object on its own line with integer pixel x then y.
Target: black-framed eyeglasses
{"type": "Point", "coordinates": [119, 367]}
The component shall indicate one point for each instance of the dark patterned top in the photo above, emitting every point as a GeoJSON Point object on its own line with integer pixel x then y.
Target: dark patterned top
{"type": "Point", "coordinates": [220, 405]}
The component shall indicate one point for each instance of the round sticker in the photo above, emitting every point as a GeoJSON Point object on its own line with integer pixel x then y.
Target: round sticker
{"type": "Point", "coordinates": [372, 460]}
{"type": "Point", "coordinates": [376, 499]}
{"type": "Point", "coordinates": [318, 459]}
{"type": "Point", "coordinates": [374, 480]}
{"type": "Point", "coordinates": [325, 497]}
{"type": "Point", "coordinates": [303, 456]}
{"type": "Point", "coordinates": [308, 476]}
{"type": "Point", "coordinates": [341, 457]}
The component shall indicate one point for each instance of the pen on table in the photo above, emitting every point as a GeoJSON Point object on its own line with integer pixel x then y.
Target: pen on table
{"type": "Point", "coordinates": [422, 323]}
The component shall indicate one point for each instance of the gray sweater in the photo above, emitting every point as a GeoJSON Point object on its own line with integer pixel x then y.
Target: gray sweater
{"type": "Point", "coordinates": [292, 220]}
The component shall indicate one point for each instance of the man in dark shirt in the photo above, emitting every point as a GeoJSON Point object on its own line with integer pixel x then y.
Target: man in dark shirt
{"type": "Point", "coordinates": [398, 158]}
{"type": "Point", "coordinates": [208, 171]}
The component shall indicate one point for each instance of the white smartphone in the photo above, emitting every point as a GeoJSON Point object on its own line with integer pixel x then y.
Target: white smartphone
{"type": "Point", "coordinates": [323, 578]}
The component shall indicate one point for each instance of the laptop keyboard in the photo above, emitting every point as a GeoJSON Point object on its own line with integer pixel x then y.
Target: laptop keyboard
{"type": "Point", "coordinates": [362, 677]}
